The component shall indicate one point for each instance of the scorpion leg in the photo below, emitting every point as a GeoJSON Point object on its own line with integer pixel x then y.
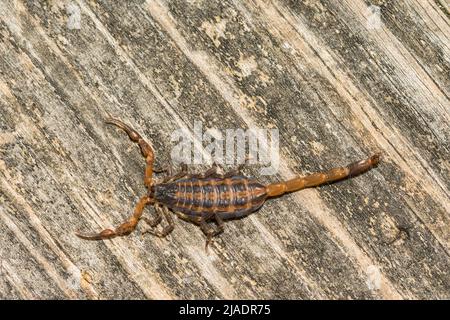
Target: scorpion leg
{"type": "Point", "coordinates": [207, 229]}
{"type": "Point", "coordinates": [194, 219]}
{"type": "Point", "coordinates": [211, 172]}
{"type": "Point", "coordinates": [235, 172]}
{"type": "Point", "coordinates": [238, 170]}
{"type": "Point", "coordinates": [210, 231]}
{"type": "Point", "coordinates": [124, 229]}
{"type": "Point", "coordinates": [146, 149]}
{"type": "Point", "coordinates": [156, 220]}
{"type": "Point", "coordinates": [168, 228]}
{"type": "Point", "coordinates": [166, 168]}
{"type": "Point", "coordinates": [183, 173]}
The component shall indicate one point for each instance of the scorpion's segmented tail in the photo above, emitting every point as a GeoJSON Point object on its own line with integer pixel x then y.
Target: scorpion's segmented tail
{"type": "Point", "coordinates": [317, 179]}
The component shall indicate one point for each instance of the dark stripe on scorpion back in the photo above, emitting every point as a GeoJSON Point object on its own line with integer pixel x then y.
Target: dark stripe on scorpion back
{"type": "Point", "coordinates": [232, 197]}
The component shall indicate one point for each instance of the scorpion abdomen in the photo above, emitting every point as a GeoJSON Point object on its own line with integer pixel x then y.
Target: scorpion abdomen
{"type": "Point", "coordinates": [232, 197]}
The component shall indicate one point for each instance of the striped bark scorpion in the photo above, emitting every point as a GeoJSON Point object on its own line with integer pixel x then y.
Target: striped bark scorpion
{"type": "Point", "coordinates": [209, 199]}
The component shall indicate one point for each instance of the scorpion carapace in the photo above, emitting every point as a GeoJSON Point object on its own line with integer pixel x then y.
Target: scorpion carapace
{"type": "Point", "coordinates": [211, 196]}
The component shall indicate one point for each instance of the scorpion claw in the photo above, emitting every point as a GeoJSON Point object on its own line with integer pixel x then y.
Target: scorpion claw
{"type": "Point", "coordinates": [105, 234]}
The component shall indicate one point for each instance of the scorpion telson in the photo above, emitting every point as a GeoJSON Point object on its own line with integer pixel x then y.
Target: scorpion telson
{"type": "Point", "coordinates": [210, 198]}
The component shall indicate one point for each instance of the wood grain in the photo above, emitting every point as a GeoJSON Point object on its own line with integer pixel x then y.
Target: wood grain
{"type": "Point", "coordinates": [337, 84]}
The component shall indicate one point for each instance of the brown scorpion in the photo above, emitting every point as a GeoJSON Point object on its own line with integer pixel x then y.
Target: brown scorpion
{"type": "Point", "coordinates": [211, 196]}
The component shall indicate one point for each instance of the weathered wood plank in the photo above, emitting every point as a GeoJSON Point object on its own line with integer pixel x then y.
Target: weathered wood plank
{"type": "Point", "coordinates": [338, 85]}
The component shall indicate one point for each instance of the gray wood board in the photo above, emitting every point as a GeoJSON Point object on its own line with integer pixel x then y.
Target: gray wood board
{"type": "Point", "coordinates": [338, 80]}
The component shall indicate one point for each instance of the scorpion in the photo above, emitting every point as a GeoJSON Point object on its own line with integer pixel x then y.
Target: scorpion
{"type": "Point", "coordinates": [210, 198]}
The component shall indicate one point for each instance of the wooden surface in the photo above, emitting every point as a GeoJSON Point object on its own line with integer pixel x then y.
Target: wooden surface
{"type": "Point", "coordinates": [337, 83]}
